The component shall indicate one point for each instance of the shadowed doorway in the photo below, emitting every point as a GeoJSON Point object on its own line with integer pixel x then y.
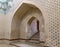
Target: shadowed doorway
{"type": "Point", "coordinates": [33, 30]}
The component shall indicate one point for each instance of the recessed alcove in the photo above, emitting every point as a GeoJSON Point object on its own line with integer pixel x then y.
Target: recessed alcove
{"type": "Point", "coordinates": [27, 17]}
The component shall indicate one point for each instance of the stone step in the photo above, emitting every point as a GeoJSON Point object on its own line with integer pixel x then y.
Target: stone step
{"type": "Point", "coordinates": [24, 45]}
{"type": "Point", "coordinates": [33, 41]}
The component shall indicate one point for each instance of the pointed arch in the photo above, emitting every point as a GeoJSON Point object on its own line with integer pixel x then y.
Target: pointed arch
{"type": "Point", "coordinates": [19, 15]}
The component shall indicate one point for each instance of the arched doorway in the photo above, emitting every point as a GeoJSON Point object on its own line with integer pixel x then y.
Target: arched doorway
{"type": "Point", "coordinates": [33, 32]}
{"type": "Point", "coordinates": [22, 17]}
{"type": "Point", "coordinates": [33, 28]}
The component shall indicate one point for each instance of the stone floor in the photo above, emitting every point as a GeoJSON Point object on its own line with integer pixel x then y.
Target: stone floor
{"type": "Point", "coordinates": [26, 44]}
{"type": "Point", "coordinates": [6, 45]}
{"type": "Point", "coordinates": [20, 44]}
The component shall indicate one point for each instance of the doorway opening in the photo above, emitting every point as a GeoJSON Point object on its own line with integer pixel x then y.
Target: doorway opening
{"type": "Point", "coordinates": [33, 30]}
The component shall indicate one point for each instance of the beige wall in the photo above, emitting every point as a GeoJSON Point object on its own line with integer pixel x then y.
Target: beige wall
{"type": "Point", "coordinates": [9, 17]}
{"type": "Point", "coordinates": [2, 24]}
{"type": "Point", "coordinates": [51, 13]}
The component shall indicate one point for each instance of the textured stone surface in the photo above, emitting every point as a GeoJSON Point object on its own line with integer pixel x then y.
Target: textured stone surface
{"type": "Point", "coordinates": [53, 9]}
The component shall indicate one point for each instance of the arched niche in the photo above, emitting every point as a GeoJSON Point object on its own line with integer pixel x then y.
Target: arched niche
{"type": "Point", "coordinates": [21, 17]}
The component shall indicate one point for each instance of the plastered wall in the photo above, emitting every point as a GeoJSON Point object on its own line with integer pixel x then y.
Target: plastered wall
{"type": "Point", "coordinates": [52, 8]}
{"type": "Point", "coordinates": [2, 24]}
{"type": "Point", "coordinates": [51, 13]}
